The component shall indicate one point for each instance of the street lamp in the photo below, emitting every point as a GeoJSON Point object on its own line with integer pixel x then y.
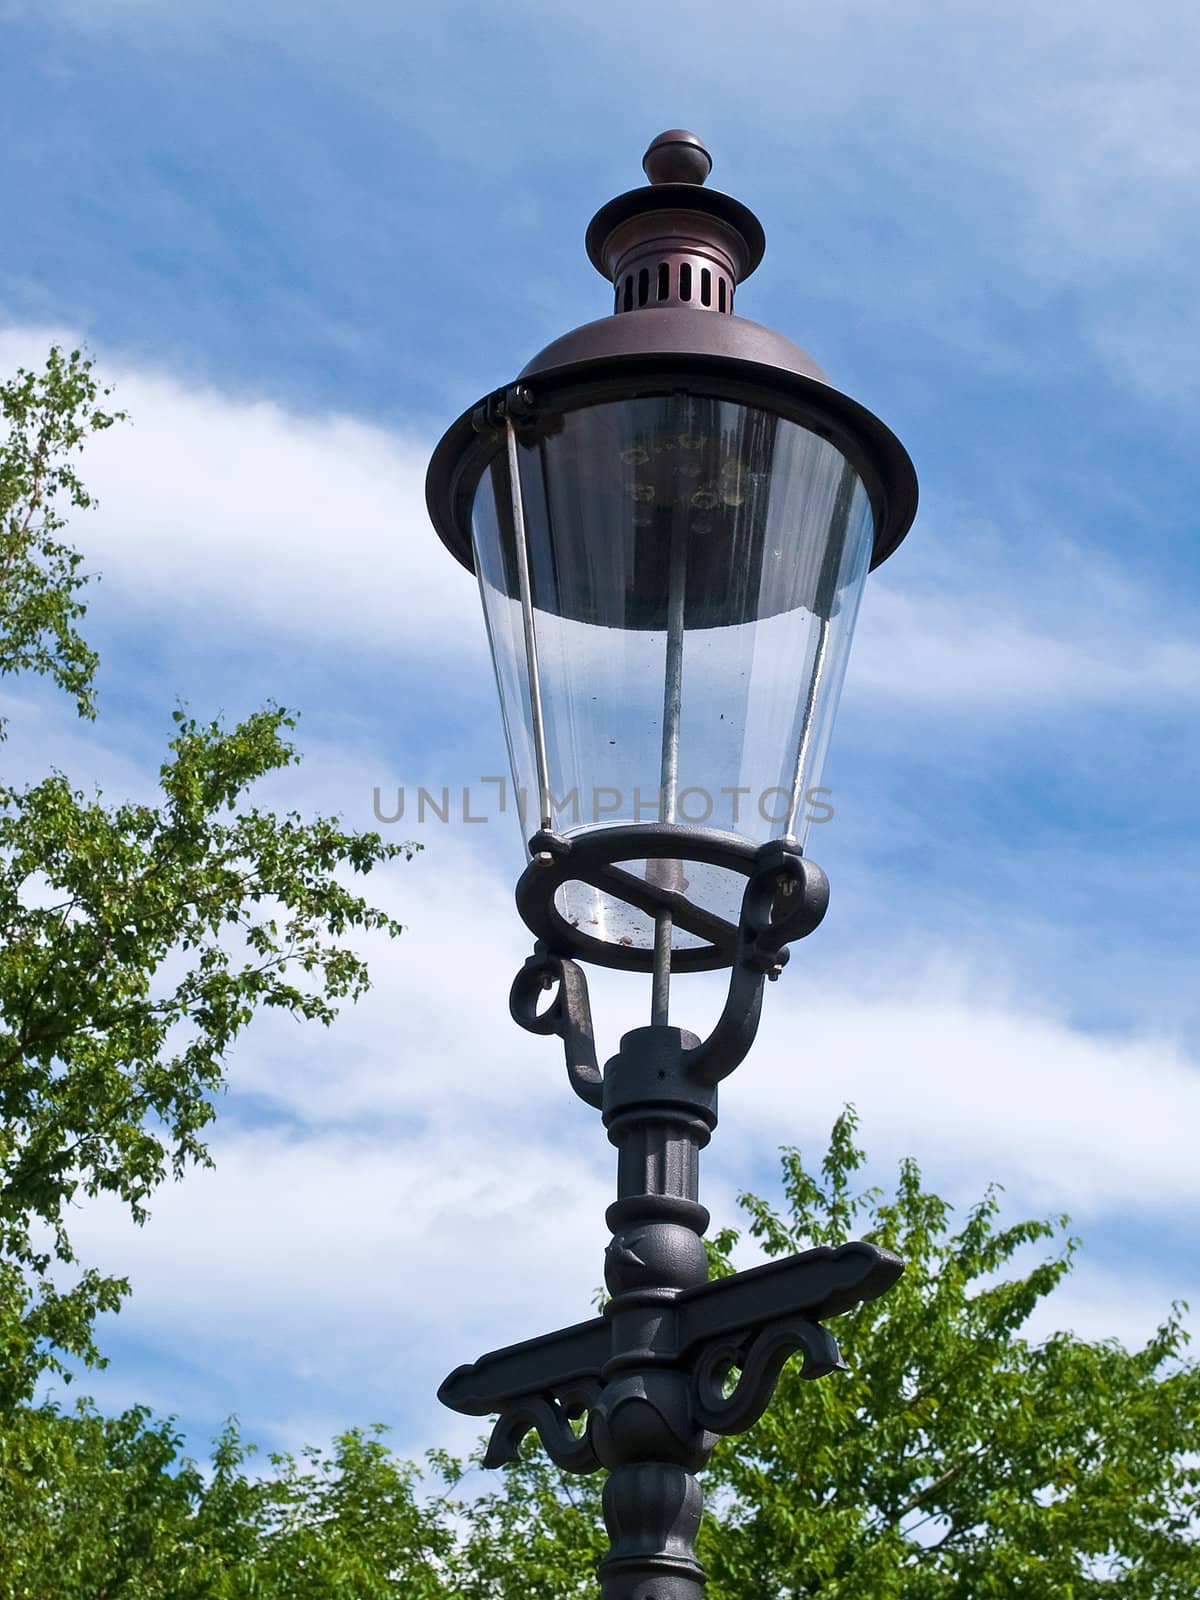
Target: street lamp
{"type": "Point", "coordinates": [671, 514]}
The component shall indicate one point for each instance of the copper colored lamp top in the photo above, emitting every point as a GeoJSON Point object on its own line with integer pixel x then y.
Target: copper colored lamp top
{"type": "Point", "coordinates": [671, 249]}
{"type": "Point", "coordinates": [675, 243]}
{"type": "Point", "coordinates": [677, 156]}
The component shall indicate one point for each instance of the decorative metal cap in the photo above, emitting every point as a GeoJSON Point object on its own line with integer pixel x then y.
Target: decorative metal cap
{"type": "Point", "coordinates": [676, 156]}
{"type": "Point", "coordinates": [671, 249]}
{"type": "Point", "coordinates": [675, 243]}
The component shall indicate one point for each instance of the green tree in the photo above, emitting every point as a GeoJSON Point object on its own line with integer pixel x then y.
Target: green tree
{"type": "Point", "coordinates": [136, 940]}
{"type": "Point", "coordinates": [100, 1508]}
{"type": "Point", "coordinates": [956, 1458]}
{"type": "Point", "coordinates": [347, 1524]}
{"type": "Point", "coordinates": [48, 417]}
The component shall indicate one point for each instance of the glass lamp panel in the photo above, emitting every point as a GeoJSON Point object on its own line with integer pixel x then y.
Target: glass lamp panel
{"type": "Point", "coordinates": [696, 567]}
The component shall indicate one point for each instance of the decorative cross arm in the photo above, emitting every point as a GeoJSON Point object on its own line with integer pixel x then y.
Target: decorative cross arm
{"type": "Point", "coordinates": [766, 1315]}
{"type": "Point", "coordinates": [546, 1365]}
{"type": "Point", "coordinates": [815, 1284]}
{"type": "Point", "coordinates": [752, 1322]}
{"type": "Point", "coordinates": [542, 1383]}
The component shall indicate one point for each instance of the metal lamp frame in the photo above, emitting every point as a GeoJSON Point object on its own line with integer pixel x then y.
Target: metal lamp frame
{"type": "Point", "coordinates": [675, 1360]}
{"type": "Point", "coordinates": [728, 359]}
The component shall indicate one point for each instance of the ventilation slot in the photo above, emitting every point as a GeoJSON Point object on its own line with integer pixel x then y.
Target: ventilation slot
{"type": "Point", "coordinates": [705, 287]}
{"type": "Point", "coordinates": [628, 299]}
{"type": "Point", "coordinates": [643, 286]}
{"type": "Point", "coordinates": [664, 281]}
{"type": "Point", "coordinates": [685, 281]}
{"type": "Point", "coordinates": [720, 294]}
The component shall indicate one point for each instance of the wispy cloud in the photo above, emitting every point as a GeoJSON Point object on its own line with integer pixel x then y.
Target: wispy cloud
{"type": "Point", "coordinates": [421, 1186]}
{"type": "Point", "coordinates": [985, 217]}
{"type": "Point", "coordinates": [214, 507]}
{"type": "Point", "coordinates": [983, 654]}
{"type": "Point", "coordinates": [969, 176]}
{"type": "Point", "coordinates": [221, 512]}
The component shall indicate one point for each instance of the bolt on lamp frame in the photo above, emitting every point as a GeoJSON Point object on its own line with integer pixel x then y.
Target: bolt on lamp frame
{"type": "Point", "coordinates": [653, 1375]}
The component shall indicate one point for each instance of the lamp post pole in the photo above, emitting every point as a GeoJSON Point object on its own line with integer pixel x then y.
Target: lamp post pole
{"type": "Point", "coordinates": [673, 485]}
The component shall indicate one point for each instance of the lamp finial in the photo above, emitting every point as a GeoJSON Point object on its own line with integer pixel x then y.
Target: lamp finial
{"type": "Point", "coordinates": [677, 156]}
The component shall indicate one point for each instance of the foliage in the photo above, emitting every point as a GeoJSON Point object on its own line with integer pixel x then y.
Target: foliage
{"type": "Point", "coordinates": [956, 1458]}
{"type": "Point", "coordinates": [49, 416]}
{"type": "Point", "coordinates": [534, 1532]}
{"type": "Point", "coordinates": [137, 940]}
{"type": "Point", "coordinates": [95, 1508]}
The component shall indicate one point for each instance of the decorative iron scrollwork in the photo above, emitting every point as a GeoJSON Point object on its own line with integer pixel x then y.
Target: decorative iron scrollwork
{"type": "Point", "coordinates": [551, 1416]}
{"type": "Point", "coordinates": [759, 1357]}
{"type": "Point", "coordinates": [785, 898]}
{"type": "Point", "coordinates": [569, 1015]}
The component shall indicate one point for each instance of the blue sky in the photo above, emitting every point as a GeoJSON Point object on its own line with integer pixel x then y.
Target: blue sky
{"type": "Point", "coordinates": [303, 238]}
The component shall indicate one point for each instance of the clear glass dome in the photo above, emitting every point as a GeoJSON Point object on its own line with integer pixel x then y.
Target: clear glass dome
{"type": "Point", "coordinates": [695, 567]}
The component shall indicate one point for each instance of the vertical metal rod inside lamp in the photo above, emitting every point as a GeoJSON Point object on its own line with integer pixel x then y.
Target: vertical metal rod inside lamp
{"type": "Point", "coordinates": [660, 993]}
{"type": "Point", "coordinates": [824, 603]}
{"type": "Point", "coordinates": [535, 685]}
{"type": "Point", "coordinates": [804, 743]}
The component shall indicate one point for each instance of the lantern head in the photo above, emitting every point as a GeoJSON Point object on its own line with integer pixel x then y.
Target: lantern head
{"type": "Point", "coordinates": [671, 514]}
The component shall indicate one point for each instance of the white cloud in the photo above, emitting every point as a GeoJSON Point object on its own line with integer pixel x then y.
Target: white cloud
{"type": "Point", "coordinates": [419, 1185]}
{"type": "Point", "coordinates": [983, 1085]}
{"type": "Point", "coordinates": [218, 512]}
{"type": "Point", "coordinates": [347, 1274]}
{"type": "Point", "coordinates": [979, 652]}
{"type": "Point", "coordinates": [1095, 1302]}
